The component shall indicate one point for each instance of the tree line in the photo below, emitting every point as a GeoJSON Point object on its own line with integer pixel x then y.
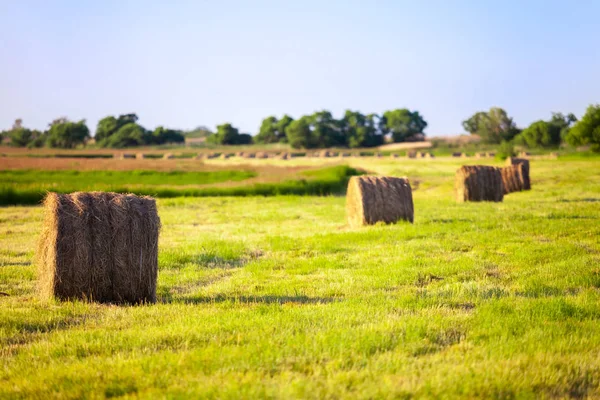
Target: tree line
{"type": "Point", "coordinates": [111, 132]}
{"type": "Point", "coordinates": [320, 130]}
{"type": "Point", "coordinates": [496, 127]}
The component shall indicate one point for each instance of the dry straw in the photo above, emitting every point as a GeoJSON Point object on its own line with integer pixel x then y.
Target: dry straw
{"type": "Point", "coordinates": [525, 163]}
{"type": "Point", "coordinates": [372, 199]}
{"type": "Point", "coordinates": [513, 178]}
{"type": "Point", "coordinates": [478, 183]}
{"type": "Point", "coordinates": [100, 247]}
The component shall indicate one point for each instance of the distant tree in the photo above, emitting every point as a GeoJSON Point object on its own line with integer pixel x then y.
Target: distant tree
{"type": "Point", "coordinates": [110, 125]}
{"type": "Point", "coordinates": [39, 139]}
{"type": "Point", "coordinates": [268, 131]}
{"type": "Point", "coordinates": [66, 134]}
{"type": "Point", "coordinates": [281, 126]}
{"type": "Point", "coordinates": [493, 126]}
{"type": "Point", "coordinates": [20, 137]}
{"type": "Point", "coordinates": [587, 130]}
{"type": "Point", "coordinates": [164, 136]}
{"type": "Point", "coordinates": [506, 149]}
{"type": "Point", "coordinates": [361, 130]}
{"type": "Point", "coordinates": [245, 138]}
{"type": "Point", "coordinates": [299, 134]}
{"type": "Point", "coordinates": [131, 134]}
{"type": "Point", "coordinates": [403, 123]}
{"type": "Point", "coordinates": [546, 133]}
{"type": "Point", "coordinates": [326, 130]}
{"type": "Point", "coordinates": [226, 134]}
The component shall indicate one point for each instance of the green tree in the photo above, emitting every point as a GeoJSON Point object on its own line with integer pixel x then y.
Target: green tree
{"type": "Point", "coordinates": [226, 134]}
{"type": "Point", "coordinates": [547, 133]}
{"type": "Point", "coordinates": [403, 123]}
{"type": "Point", "coordinates": [281, 126]}
{"type": "Point", "coordinates": [361, 130]}
{"type": "Point", "coordinates": [587, 130]}
{"type": "Point", "coordinates": [163, 136]}
{"type": "Point", "coordinates": [268, 131]}
{"type": "Point", "coordinates": [299, 134]}
{"type": "Point", "coordinates": [66, 134]}
{"type": "Point", "coordinates": [326, 130]}
{"type": "Point", "coordinates": [493, 126]}
{"type": "Point", "coordinates": [129, 135]}
{"type": "Point", "coordinates": [20, 137]}
{"type": "Point", "coordinates": [110, 125]}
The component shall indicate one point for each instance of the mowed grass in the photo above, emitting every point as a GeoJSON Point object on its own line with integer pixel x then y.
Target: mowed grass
{"type": "Point", "coordinates": [277, 298]}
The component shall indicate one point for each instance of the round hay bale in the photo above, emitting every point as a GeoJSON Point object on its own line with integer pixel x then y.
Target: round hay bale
{"type": "Point", "coordinates": [372, 199]}
{"type": "Point", "coordinates": [478, 183]}
{"type": "Point", "coordinates": [225, 156]}
{"type": "Point", "coordinates": [284, 156]}
{"type": "Point", "coordinates": [140, 156]}
{"type": "Point", "coordinates": [262, 154]}
{"type": "Point", "coordinates": [457, 154]}
{"type": "Point", "coordinates": [200, 156]}
{"type": "Point", "coordinates": [411, 154]}
{"type": "Point", "coordinates": [324, 153]}
{"type": "Point", "coordinates": [249, 155]}
{"type": "Point", "coordinates": [491, 154]}
{"type": "Point", "coordinates": [394, 155]}
{"type": "Point", "coordinates": [168, 156]}
{"type": "Point", "coordinates": [100, 247]}
{"type": "Point", "coordinates": [515, 161]}
{"type": "Point", "coordinates": [429, 155]}
{"type": "Point", "coordinates": [513, 178]}
{"type": "Point", "coordinates": [240, 154]}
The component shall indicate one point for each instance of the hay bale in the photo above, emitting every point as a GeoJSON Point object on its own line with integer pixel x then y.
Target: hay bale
{"type": "Point", "coordinates": [516, 161]}
{"type": "Point", "coordinates": [225, 156]}
{"type": "Point", "coordinates": [324, 153]}
{"type": "Point", "coordinates": [345, 154]}
{"type": "Point", "coordinates": [429, 155]}
{"type": "Point", "coordinates": [394, 155]}
{"type": "Point", "coordinates": [240, 154]}
{"type": "Point", "coordinates": [140, 156]}
{"type": "Point", "coordinates": [411, 154]}
{"type": "Point", "coordinates": [168, 156]}
{"type": "Point", "coordinates": [262, 154]}
{"type": "Point", "coordinates": [124, 156]}
{"type": "Point", "coordinates": [199, 156]}
{"type": "Point", "coordinates": [479, 155]}
{"type": "Point", "coordinates": [100, 247]}
{"type": "Point", "coordinates": [478, 183]}
{"type": "Point", "coordinates": [464, 155]}
{"type": "Point", "coordinates": [372, 199]}
{"type": "Point", "coordinates": [513, 178]}
{"type": "Point", "coordinates": [457, 154]}
{"type": "Point", "coordinates": [284, 156]}
{"type": "Point", "coordinates": [249, 155]}
{"type": "Point", "coordinates": [491, 154]}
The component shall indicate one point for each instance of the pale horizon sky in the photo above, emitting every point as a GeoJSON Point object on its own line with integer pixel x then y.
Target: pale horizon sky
{"type": "Point", "coordinates": [182, 63]}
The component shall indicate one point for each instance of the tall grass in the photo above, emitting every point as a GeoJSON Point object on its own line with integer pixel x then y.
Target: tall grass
{"type": "Point", "coordinates": [29, 187]}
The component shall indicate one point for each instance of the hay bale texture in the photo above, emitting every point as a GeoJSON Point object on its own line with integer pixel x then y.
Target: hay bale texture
{"type": "Point", "coordinates": [478, 183]}
{"type": "Point", "coordinates": [513, 178]}
{"type": "Point", "coordinates": [100, 247]}
{"type": "Point", "coordinates": [372, 199]}
{"type": "Point", "coordinates": [525, 176]}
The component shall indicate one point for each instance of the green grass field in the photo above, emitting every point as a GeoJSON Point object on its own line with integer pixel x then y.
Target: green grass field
{"type": "Point", "coordinates": [275, 297]}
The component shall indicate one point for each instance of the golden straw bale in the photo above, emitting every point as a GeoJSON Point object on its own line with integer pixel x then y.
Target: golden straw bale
{"type": "Point", "coordinates": [515, 161]}
{"type": "Point", "coordinates": [372, 199]}
{"type": "Point", "coordinates": [478, 183]}
{"type": "Point", "coordinates": [513, 178]}
{"type": "Point", "coordinates": [100, 247]}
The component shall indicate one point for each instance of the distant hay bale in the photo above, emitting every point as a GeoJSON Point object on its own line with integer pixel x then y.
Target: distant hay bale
{"type": "Point", "coordinates": [200, 156]}
{"type": "Point", "coordinates": [490, 154]}
{"type": "Point", "coordinates": [168, 156]}
{"type": "Point", "coordinates": [378, 154]}
{"type": "Point", "coordinates": [515, 161]}
{"type": "Point", "coordinates": [284, 156]}
{"type": "Point", "coordinates": [479, 155]}
{"type": "Point", "coordinates": [513, 178]}
{"type": "Point", "coordinates": [240, 154]}
{"type": "Point", "coordinates": [478, 183]}
{"type": "Point", "coordinates": [140, 156]}
{"type": "Point", "coordinates": [429, 155]}
{"type": "Point", "coordinates": [262, 154]}
{"type": "Point", "coordinates": [324, 153]}
{"type": "Point", "coordinates": [411, 154]}
{"type": "Point", "coordinates": [457, 154]}
{"type": "Point", "coordinates": [249, 155]}
{"type": "Point", "coordinates": [394, 155]}
{"type": "Point", "coordinates": [210, 156]}
{"type": "Point", "coordinates": [372, 199]}
{"type": "Point", "coordinates": [224, 156]}
{"type": "Point", "coordinates": [464, 155]}
{"type": "Point", "coordinates": [124, 156]}
{"type": "Point", "coordinates": [100, 247]}
{"type": "Point", "coordinates": [553, 156]}
{"type": "Point", "coordinates": [344, 155]}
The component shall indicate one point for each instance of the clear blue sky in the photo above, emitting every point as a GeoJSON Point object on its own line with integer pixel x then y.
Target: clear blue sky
{"type": "Point", "coordinates": [187, 63]}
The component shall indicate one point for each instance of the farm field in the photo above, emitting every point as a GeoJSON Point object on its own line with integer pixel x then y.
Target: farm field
{"type": "Point", "coordinates": [276, 297]}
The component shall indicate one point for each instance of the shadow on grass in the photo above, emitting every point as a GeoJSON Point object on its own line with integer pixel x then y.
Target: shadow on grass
{"type": "Point", "coordinates": [268, 299]}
